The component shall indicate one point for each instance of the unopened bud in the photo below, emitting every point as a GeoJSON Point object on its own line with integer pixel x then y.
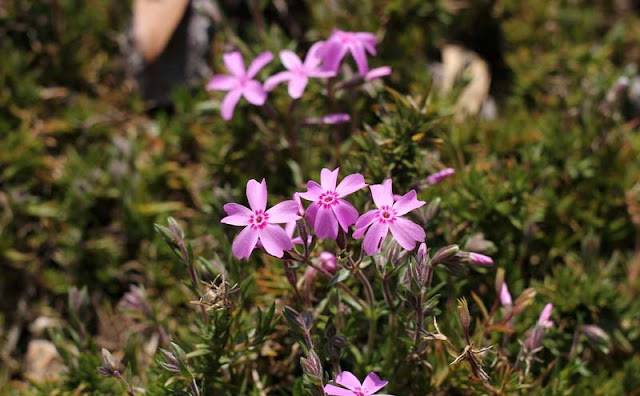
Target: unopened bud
{"type": "Point", "coordinates": [312, 365]}
{"type": "Point", "coordinates": [524, 299]}
{"type": "Point", "coordinates": [463, 314]}
{"type": "Point", "coordinates": [172, 363]}
{"type": "Point", "coordinates": [445, 253]}
{"type": "Point", "coordinates": [109, 364]}
{"type": "Point", "coordinates": [432, 210]}
{"type": "Point", "coordinates": [478, 244]}
{"type": "Point", "coordinates": [421, 255]}
{"type": "Point", "coordinates": [505, 296]}
{"type": "Point", "coordinates": [480, 259]}
{"type": "Point", "coordinates": [545, 316]}
{"type": "Point", "coordinates": [329, 261]}
{"type": "Point", "coordinates": [595, 334]}
{"type": "Point", "coordinates": [439, 176]}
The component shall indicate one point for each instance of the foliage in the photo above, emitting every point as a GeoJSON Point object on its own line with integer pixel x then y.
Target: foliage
{"type": "Point", "coordinates": [549, 189]}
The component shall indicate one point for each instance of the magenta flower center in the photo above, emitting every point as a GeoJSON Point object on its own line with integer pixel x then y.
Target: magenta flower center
{"type": "Point", "coordinates": [258, 220]}
{"type": "Point", "coordinates": [328, 199]}
{"type": "Point", "coordinates": [358, 391]}
{"type": "Point", "coordinates": [386, 214]}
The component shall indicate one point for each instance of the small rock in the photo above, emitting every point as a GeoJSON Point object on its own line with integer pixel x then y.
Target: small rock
{"type": "Point", "coordinates": [42, 362]}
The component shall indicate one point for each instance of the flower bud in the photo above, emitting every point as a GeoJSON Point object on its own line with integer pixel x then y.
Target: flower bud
{"type": "Point", "coordinates": [329, 261]}
{"type": "Point", "coordinates": [312, 365]}
{"type": "Point", "coordinates": [505, 296]}
{"type": "Point", "coordinates": [172, 363]}
{"type": "Point", "coordinates": [480, 259]}
{"type": "Point", "coordinates": [421, 255]}
{"type": "Point", "coordinates": [439, 176]}
{"type": "Point", "coordinates": [445, 253]}
{"type": "Point", "coordinates": [545, 315]}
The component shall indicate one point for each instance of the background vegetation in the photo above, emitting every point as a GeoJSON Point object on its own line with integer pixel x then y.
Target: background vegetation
{"type": "Point", "coordinates": [552, 183]}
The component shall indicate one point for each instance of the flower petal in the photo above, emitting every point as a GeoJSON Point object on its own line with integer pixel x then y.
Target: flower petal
{"type": "Point", "coordinates": [350, 184]}
{"type": "Point", "coordinates": [258, 63]}
{"type": "Point", "coordinates": [254, 93]}
{"type": "Point", "coordinates": [372, 383]}
{"type": "Point", "coordinates": [222, 82]}
{"type": "Point", "coordinates": [276, 79]}
{"type": "Point", "coordinates": [290, 228]}
{"type": "Point", "coordinates": [348, 380]}
{"type": "Point", "coordinates": [368, 40]}
{"type": "Point", "coordinates": [378, 72]}
{"type": "Point", "coordinates": [382, 194]}
{"type": "Point", "coordinates": [234, 208]}
{"type": "Point", "coordinates": [332, 54]}
{"type": "Point", "coordinates": [326, 224]}
{"type": "Point", "coordinates": [313, 191]}
{"type": "Point", "coordinates": [328, 179]}
{"type": "Point", "coordinates": [313, 58]}
{"type": "Point", "coordinates": [234, 63]}
{"type": "Point", "coordinates": [257, 194]}
{"type": "Point", "coordinates": [297, 85]}
{"type": "Point", "coordinates": [407, 203]}
{"type": "Point", "coordinates": [312, 210]}
{"type": "Point", "coordinates": [407, 233]}
{"type": "Point", "coordinates": [366, 219]}
{"type": "Point", "coordinates": [376, 234]}
{"type": "Point", "coordinates": [357, 50]}
{"type": "Point", "coordinates": [274, 240]}
{"type": "Point", "coordinates": [333, 390]}
{"type": "Point", "coordinates": [290, 60]}
{"type": "Point", "coordinates": [229, 103]}
{"type": "Point", "coordinates": [345, 213]}
{"type": "Point", "coordinates": [244, 243]}
{"type": "Point", "coordinates": [239, 219]}
{"type": "Point", "coordinates": [284, 212]}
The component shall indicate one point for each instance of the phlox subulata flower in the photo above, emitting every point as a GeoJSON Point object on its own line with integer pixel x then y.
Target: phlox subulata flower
{"type": "Point", "coordinates": [240, 82]}
{"type": "Point", "coordinates": [260, 224]}
{"type": "Point", "coordinates": [352, 386]}
{"type": "Point", "coordinates": [341, 42]}
{"type": "Point", "coordinates": [328, 209]}
{"type": "Point", "coordinates": [378, 72]}
{"type": "Point", "coordinates": [298, 72]}
{"type": "Point", "coordinates": [377, 223]}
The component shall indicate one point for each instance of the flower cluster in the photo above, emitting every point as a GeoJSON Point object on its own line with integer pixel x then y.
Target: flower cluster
{"type": "Point", "coordinates": [328, 214]}
{"type": "Point", "coordinates": [321, 61]}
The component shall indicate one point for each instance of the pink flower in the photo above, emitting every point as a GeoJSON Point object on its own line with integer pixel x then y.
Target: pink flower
{"type": "Point", "coordinates": [545, 315]}
{"type": "Point", "coordinates": [388, 217]}
{"type": "Point", "coordinates": [298, 73]}
{"type": "Point", "coordinates": [240, 82]}
{"type": "Point", "coordinates": [505, 296]}
{"type": "Point", "coordinates": [260, 224]}
{"type": "Point", "coordinates": [372, 383]}
{"type": "Point", "coordinates": [341, 42]}
{"type": "Point", "coordinates": [439, 176]}
{"type": "Point", "coordinates": [328, 208]}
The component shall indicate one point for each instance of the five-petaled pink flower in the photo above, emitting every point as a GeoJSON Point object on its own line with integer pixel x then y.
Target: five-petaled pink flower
{"type": "Point", "coordinates": [260, 224]}
{"type": "Point", "coordinates": [387, 217]}
{"type": "Point", "coordinates": [372, 383]}
{"type": "Point", "coordinates": [328, 208]}
{"type": "Point", "coordinates": [298, 73]}
{"type": "Point", "coordinates": [240, 82]}
{"type": "Point", "coordinates": [341, 42]}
